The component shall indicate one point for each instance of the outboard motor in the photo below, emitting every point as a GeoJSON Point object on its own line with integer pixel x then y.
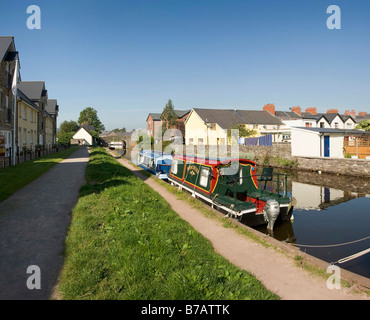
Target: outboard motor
{"type": "Point", "coordinates": [271, 212]}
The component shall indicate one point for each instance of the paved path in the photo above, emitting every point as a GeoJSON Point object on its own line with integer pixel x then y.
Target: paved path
{"type": "Point", "coordinates": [277, 272]}
{"type": "Point", "coordinates": [33, 224]}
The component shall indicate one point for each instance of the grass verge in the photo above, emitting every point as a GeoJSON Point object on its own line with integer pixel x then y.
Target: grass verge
{"type": "Point", "coordinates": [125, 242]}
{"type": "Point", "coordinates": [15, 177]}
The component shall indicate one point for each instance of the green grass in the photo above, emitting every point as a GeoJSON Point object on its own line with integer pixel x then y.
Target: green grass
{"type": "Point", "coordinates": [18, 176]}
{"type": "Point", "coordinates": [125, 242]}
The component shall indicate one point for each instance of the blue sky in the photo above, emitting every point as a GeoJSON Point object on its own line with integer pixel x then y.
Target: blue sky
{"type": "Point", "coordinates": [127, 58]}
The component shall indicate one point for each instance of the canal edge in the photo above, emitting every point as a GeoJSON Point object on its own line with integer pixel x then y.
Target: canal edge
{"type": "Point", "coordinates": [356, 284]}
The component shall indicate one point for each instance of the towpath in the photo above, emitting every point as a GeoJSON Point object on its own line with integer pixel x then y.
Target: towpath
{"type": "Point", "coordinates": [276, 271]}
{"type": "Point", "coordinates": [33, 225]}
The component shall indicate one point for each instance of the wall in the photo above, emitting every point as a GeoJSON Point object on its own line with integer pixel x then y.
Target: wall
{"type": "Point", "coordinates": [28, 122]}
{"type": "Point", "coordinates": [305, 143]}
{"type": "Point", "coordinates": [195, 129]}
{"type": "Point", "coordinates": [336, 166]}
{"type": "Point", "coordinates": [48, 132]}
{"type": "Point", "coordinates": [6, 127]}
{"type": "Point", "coordinates": [336, 146]}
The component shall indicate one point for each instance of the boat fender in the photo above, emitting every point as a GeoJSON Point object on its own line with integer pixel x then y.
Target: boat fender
{"type": "Point", "coordinates": [271, 212]}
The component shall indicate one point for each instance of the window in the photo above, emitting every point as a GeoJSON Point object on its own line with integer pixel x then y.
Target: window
{"type": "Point", "coordinates": [204, 177]}
{"type": "Point", "coordinates": [174, 166]}
{"type": "Point", "coordinates": [200, 141]}
{"type": "Point", "coordinates": [336, 125]}
{"type": "Point", "coordinates": [240, 176]}
{"type": "Point", "coordinates": [31, 136]}
{"type": "Point", "coordinates": [1, 101]}
{"type": "Point", "coordinates": [308, 124]}
{"type": "Point", "coordinates": [349, 125]}
{"type": "Point", "coordinates": [24, 135]}
{"type": "Point", "coordinates": [322, 125]}
{"type": "Point", "coordinates": [24, 113]}
{"type": "Point", "coordinates": [191, 140]}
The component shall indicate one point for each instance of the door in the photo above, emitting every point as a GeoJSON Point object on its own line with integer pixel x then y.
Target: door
{"type": "Point", "coordinates": [326, 146]}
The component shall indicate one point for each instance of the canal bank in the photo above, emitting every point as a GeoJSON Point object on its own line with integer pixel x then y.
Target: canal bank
{"type": "Point", "coordinates": [330, 211]}
{"type": "Point", "coordinates": [272, 262]}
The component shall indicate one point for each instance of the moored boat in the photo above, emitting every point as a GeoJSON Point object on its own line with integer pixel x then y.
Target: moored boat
{"type": "Point", "coordinates": [155, 162]}
{"type": "Point", "coordinates": [232, 185]}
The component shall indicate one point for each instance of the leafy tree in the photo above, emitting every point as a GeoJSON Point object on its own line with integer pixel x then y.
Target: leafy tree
{"type": "Point", "coordinates": [89, 116]}
{"type": "Point", "coordinates": [243, 131]}
{"type": "Point", "coordinates": [65, 137]}
{"type": "Point", "coordinates": [169, 115]}
{"type": "Point", "coordinates": [364, 125]}
{"type": "Point", "coordinates": [94, 134]}
{"type": "Point", "coordinates": [68, 126]}
{"type": "Point", "coordinates": [119, 130]}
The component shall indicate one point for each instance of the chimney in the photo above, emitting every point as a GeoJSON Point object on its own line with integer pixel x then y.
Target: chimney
{"type": "Point", "coordinates": [297, 110]}
{"type": "Point", "coordinates": [312, 110]}
{"type": "Point", "coordinates": [350, 113]}
{"type": "Point", "coordinates": [360, 114]}
{"type": "Point", "coordinates": [332, 111]}
{"type": "Point", "coordinates": [270, 108]}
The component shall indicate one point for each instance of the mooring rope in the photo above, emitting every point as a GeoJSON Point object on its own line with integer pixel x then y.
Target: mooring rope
{"type": "Point", "coordinates": [329, 245]}
{"type": "Point", "coordinates": [354, 256]}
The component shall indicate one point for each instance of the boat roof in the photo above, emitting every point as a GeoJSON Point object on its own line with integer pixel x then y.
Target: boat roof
{"type": "Point", "coordinates": [211, 160]}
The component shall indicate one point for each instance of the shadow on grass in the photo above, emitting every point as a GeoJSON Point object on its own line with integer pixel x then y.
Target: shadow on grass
{"type": "Point", "coordinates": [103, 172]}
{"type": "Point", "coordinates": [97, 188]}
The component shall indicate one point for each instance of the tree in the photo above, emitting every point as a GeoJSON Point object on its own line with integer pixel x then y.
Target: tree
{"type": "Point", "coordinates": [68, 126]}
{"type": "Point", "coordinates": [364, 125]}
{"type": "Point", "coordinates": [89, 116]}
{"type": "Point", "coordinates": [67, 130]}
{"type": "Point", "coordinates": [119, 130]}
{"type": "Point", "coordinates": [169, 115]}
{"type": "Point", "coordinates": [65, 137]}
{"type": "Point", "coordinates": [243, 131]}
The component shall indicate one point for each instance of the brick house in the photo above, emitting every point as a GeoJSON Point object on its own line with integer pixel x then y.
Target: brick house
{"type": "Point", "coordinates": [7, 66]}
{"type": "Point", "coordinates": [154, 123]}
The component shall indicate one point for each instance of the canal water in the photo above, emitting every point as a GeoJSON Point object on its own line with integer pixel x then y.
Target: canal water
{"type": "Point", "coordinates": [331, 217]}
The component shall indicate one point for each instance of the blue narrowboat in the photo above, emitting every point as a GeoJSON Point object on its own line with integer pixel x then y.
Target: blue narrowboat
{"type": "Point", "coordinates": [155, 162]}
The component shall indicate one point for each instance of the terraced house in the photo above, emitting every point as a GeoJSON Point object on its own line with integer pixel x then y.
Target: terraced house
{"type": "Point", "coordinates": [31, 120]}
{"type": "Point", "coordinates": [27, 122]}
{"type": "Point", "coordinates": [52, 108]}
{"type": "Point", "coordinates": [209, 126]}
{"type": "Point", "coordinates": [36, 92]}
{"type": "Point", "coordinates": [7, 66]}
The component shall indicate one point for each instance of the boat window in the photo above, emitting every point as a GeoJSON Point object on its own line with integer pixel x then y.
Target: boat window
{"type": "Point", "coordinates": [204, 177]}
{"type": "Point", "coordinates": [240, 175]}
{"type": "Point", "coordinates": [174, 166]}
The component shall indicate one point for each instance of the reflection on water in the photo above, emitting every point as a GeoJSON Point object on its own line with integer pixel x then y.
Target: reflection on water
{"type": "Point", "coordinates": [326, 217]}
